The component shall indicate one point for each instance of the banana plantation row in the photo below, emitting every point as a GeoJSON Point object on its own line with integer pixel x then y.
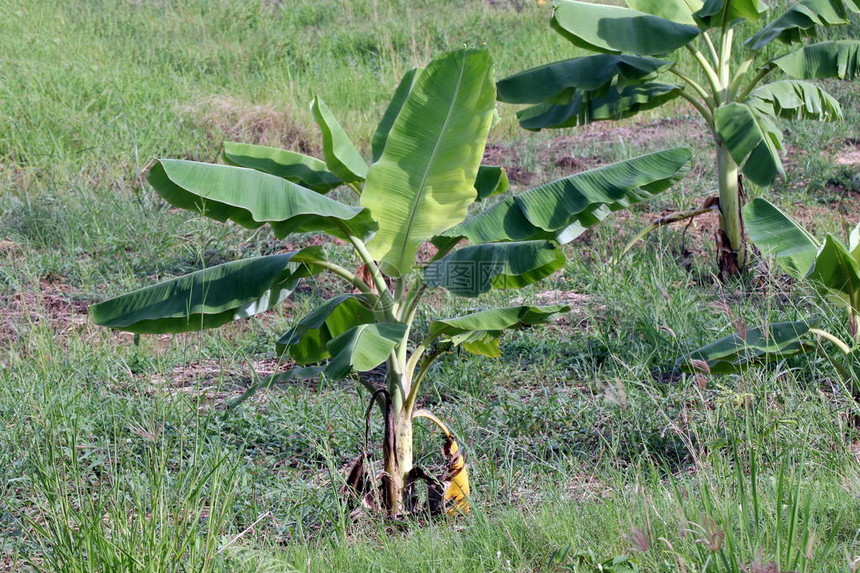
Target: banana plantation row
{"type": "Point", "coordinates": [425, 171]}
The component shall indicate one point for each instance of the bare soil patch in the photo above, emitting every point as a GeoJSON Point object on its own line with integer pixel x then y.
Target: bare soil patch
{"type": "Point", "coordinates": [850, 153]}
{"type": "Point", "coordinates": [53, 304]}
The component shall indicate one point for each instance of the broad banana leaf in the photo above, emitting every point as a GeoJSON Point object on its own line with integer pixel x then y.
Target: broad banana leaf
{"type": "Point", "coordinates": [800, 19]}
{"type": "Point", "coordinates": [615, 30]}
{"type": "Point", "coordinates": [777, 235]}
{"type": "Point", "coordinates": [735, 352]}
{"type": "Point", "coordinates": [302, 169]}
{"type": "Point", "coordinates": [563, 209]}
{"type": "Point", "coordinates": [753, 141]}
{"type": "Point", "coordinates": [306, 343]}
{"type": "Point", "coordinates": [363, 348]}
{"type": "Point", "coordinates": [795, 99]}
{"type": "Point", "coordinates": [680, 11]}
{"type": "Point", "coordinates": [210, 297]}
{"type": "Point", "coordinates": [582, 108]}
{"type": "Point", "coordinates": [837, 271]}
{"type": "Point", "coordinates": [840, 60]}
{"type": "Point", "coordinates": [252, 198]}
{"type": "Point", "coordinates": [341, 156]}
{"type": "Point", "coordinates": [474, 270]}
{"type": "Point", "coordinates": [491, 180]}
{"type": "Point", "coordinates": [589, 74]}
{"type": "Point", "coordinates": [716, 12]}
{"type": "Point", "coordinates": [854, 243]}
{"type": "Point", "coordinates": [479, 332]}
{"type": "Point", "coordinates": [424, 181]}
{"type": "Point", "coordinates": [380, 136]}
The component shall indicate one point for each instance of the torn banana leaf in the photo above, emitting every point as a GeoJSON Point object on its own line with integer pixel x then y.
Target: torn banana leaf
{"type": "Point", "coordinates": [736, 352]}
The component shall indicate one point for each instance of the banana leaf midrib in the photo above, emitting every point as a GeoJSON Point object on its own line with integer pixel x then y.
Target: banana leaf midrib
{"type": "Point", "coordinates": [417, 197]}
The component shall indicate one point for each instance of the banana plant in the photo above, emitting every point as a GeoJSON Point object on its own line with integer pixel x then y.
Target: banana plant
{"type": "Point", "coordinates": [831, 266]}
{"type": "Point", "coordinates": [637, 67]}
{"type": "Point", "coordinates": [413, 197]}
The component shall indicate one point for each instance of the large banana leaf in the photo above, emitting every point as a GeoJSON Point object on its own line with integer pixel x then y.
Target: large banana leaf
{"type": "Point", "coordinates": [479, 332]}
{"type": "Point", "coordinates": [424, 181]}
{"type": "Point", "coordinates": [341, 156]}
{"type": "Point", "coordinates": [582, 108]}
{"type": "Point", "coordinates": [563, 209]}
{"type": "Point", "coordinates": [589, 74]}
{"type": "Point", "coordinates": [735, 352]}
{"type": "Point", "coordinates": [380, 136]}
{"type": "Point", "coordinates": [363, 348]}
{"type": "Point", "coordinates": [800, 19]}
{"type": "Point", "coordinates": [252, 198]}
{"type": "Point", "coordinates": [680, 11]}
{"type": "Point", "coordinates": [716, 12]}
{"type": "Point", "coordinates": [854, 243]}
{"type": "Point", "coordinates": [210, 297]}
{"type": "Point", "coordinates": [615, 30]}
{"type": "Point", "coordinates": [474, 270]}
{"type": "Point", "coordinates": [795, 99]}
{"type": "Point", "coordinates": [753, 141]}
{"type": "Point", "coordinates": [306, 343]}
{"type": "Point", "coordinates": [837, 271]}
{"type": "Point", "coordinates": [840, 60]}
{"type": "Point", "coordinates": [779, 236]}
{"type": "Point", "coordinates": [307, 171]}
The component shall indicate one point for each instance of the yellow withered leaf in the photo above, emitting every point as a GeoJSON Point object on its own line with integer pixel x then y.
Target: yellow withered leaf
{"type": "Point", "coordinates": [456, 477]}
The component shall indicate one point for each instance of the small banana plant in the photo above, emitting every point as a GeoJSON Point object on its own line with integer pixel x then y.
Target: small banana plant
{"type": "Point", "coordinates": [412, 198]}
{"type": "Point", "coordinates": [831, 266]}
{"type": "Point", "coordinates": [636, 69]}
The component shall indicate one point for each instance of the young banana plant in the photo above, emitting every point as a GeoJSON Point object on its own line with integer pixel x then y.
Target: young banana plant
{"type": "Point", "coordinates": [425, 173]}
{"type": "Point", "coordinates": [637, 68]}
{"type": "Point", "coordinates": [831, 266]}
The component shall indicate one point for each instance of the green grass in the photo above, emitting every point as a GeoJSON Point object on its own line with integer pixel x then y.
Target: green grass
{"type": "Point", "coordinates": [121, 457]}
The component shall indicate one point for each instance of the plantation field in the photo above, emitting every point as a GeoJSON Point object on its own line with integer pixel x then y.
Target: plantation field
{"type": "Point", "coordinates": [584, 442]}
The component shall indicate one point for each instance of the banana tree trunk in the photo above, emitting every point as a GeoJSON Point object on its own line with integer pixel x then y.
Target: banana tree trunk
{"type": "Point", "coordinates": [731, 239]}
{"type": "Point", "coordinates": [397, 449]}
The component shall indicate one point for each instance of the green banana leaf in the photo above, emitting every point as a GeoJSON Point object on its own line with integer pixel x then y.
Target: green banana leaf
{"type": "Point", "coordinates": [424, 180]}
{"type": "Point", "coordinates": [341, 156]}
{"type": "Point", "coordinates": [777, 235]}
{"type": "Point", "coordinates": [800, 19]}
{"type": "Point", "coordinates": [479, 332]}
{"type": "Point", "coordinates": [210, 297]}
{"type": "Point", "coordinates": [304, 170]}
{"type": "Point", "coordinates": [837, 271]}
{"type": "Point", "coordinates": [581, 108]}
{"type": "Point", "coordinates": [252, 198]}
{"type": "Point", "coordinates": [363, 347]}
{"type": "Point", "coordinates": [380, 136]}
{"type": "Point", "coordinates": [306, 343]}
{"type": "Point", "coordinates": [735, 352]}
{"type": "Point", "coordinates": [563, 209]}
{"type": "Point", "coordinates": [753, 141]}
{"type": "Point", "coordinates": [680, 11]}
{"type": "Point", "coordinates": [839, 60]}
{"type": "Point", "coordinates": [615, 30]}
{"type": "Point", "coordinates": [588, 74]}
{"type": "Point", "coordinates": [715, 12]}
{"type": "Point", "coordinates": [474, 270]}
{"type": "Point", "coordinates": [795, 99]}
{"type": "Point", "coordinates": [492, 180]}
{"type": "Point", "coordinates": [854, 243]}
